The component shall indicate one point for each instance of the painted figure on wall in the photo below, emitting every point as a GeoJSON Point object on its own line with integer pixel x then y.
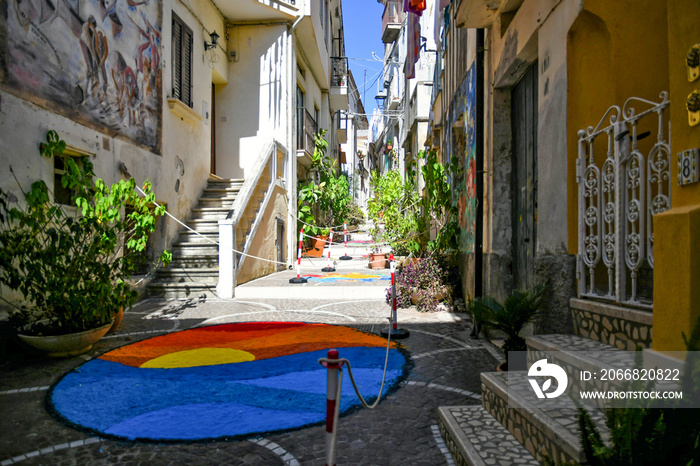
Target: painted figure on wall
{"type": "Point", "coordinates": [461, 143]}
{"type": "Point", "coordinates": [97, 62]}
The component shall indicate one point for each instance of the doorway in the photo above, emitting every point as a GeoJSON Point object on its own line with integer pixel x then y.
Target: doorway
{"type": "Point", "coordinates": [524, 178]}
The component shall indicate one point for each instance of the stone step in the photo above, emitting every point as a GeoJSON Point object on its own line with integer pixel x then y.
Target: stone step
{"type": "Point", "coordinates": [209, 213]}
{"type": "Point", "coordinates": [209, 237]}
{"type": "Point", "coordinates": [188, 274]}
{"type": "Point", "coordinates": [181, 290]}
{"type": "Point", "coordinates": [575, 354]}
{"type": "Point", "coordinates": [195, 249]}
{"type": "Point", "coordinates": [203, 225]}
{"type": "Point", "coordinates": [548, 429]}
{"type": "Point", "coordinates": [220, 191]}
{"type": "Point", "coordinates": [217, 202]}
{"type": "Point", "coordinates": [618, 326]}
{"type": "Point", "coordinates": [476, 438]}
{"type": "Point", "coordinates": [194, 262]}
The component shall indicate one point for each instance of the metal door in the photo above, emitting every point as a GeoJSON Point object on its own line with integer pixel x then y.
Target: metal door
{"type": "Point", "coordinates": [524, 177]}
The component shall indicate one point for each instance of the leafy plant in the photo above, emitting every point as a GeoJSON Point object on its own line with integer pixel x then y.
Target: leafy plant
{"type": "Point", "coordinates": [438, 203]}
{"type": "Point", "coordinates": [395, 204]}
{"type": "Point", "coordinates": [519, 309]}
{"type": "Point", "coordinates": [650, 436]}
{"type": "Point", "coordinates": [72, 270]}
{"type": "Point", "coordinates": [324, 202]}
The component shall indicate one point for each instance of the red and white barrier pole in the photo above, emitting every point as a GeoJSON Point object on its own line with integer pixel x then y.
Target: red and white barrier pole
{"type": "Point", "coordinates": [345, 241]}
{"type": "Point", "coordinates": [396, 333]}
{"type": "Point", "coordinates": [298, 278]}
{"type": "Point", "coordinates": [329, 267]}
{"type": "Point", "coordinates": [332, 402]}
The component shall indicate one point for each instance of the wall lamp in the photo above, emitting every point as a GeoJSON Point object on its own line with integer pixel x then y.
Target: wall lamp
{"type": "Point", "coordinates": [214, 40]}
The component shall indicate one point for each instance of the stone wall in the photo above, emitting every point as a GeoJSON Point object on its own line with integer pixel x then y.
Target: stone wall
{"type": "Point", "coordinates": [619, 327]}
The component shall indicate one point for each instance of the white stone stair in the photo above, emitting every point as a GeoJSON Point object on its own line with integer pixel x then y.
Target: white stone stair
{"type": "Point", "coordinates": [194, 272]}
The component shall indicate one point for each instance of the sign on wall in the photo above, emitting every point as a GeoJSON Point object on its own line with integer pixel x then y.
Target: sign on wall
{"type": "Point", "coordinates": [97, 62]}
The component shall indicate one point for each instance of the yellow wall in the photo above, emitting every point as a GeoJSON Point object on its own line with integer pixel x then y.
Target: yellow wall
{"type": "Point", "coordinates": [676, 232]}
{"type": "Point", "coordinates": [615, 50]}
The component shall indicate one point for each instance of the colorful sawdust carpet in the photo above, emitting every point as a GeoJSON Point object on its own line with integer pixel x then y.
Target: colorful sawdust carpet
{"type": "Point", "coordinates": [347, 277]}
{"type": "Point", "coordinates": [222, 381]}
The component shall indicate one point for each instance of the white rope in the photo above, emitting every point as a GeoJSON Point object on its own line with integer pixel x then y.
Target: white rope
{"type": "Point", "coordinates": [211, 240]}
{"type": "Point", "coordinates": [352, 378]}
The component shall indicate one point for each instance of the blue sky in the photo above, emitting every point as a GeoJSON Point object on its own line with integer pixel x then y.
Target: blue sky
{"type": "Point", "coordinates": [362, 23]}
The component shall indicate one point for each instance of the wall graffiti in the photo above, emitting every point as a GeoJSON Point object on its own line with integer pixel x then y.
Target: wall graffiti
{"type": "Point", "coordinates": [460, 141]}
{"type": "Point", "coordinates": [95, 61]}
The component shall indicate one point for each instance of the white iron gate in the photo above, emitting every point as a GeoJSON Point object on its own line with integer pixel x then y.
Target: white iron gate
{"type": "Point", "coordinates": [618, 192]}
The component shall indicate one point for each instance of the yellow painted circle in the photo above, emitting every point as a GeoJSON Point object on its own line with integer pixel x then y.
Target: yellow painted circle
{"type": "Point", "coordinates": [198, 357]}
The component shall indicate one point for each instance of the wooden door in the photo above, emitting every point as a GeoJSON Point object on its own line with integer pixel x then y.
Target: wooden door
{"type": "Point", "coordinates": [524, 181]}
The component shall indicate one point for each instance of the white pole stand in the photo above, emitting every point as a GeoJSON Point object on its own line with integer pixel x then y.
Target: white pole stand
{"type": "Point", "coordinates": [332, 403]}
{"type": "Point", "coordinates": [298, 279]}
{"type": "Point", "coordinates": [329, 267]}
{"type": "Point", "coordinates": [396, 333]}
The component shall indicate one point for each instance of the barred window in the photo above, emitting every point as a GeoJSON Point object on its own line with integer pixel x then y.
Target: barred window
{"type": "Point", "coordinates": [182, 61]}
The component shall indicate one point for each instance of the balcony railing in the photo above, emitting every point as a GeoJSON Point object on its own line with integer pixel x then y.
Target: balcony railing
{"type": "Point", "coordinates": [340, 71]}
{"type": "Point", "coordinates": [391, 20]}
{"type": "Point", "coordinates": [306, 130]}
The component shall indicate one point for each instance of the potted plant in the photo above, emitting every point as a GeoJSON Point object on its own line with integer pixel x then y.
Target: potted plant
{"type": "Point", "coordinates": [424, 284]}
{"type": "Point", "coordinates": [322, 202]}
{"type": "Point", "coordinates": [519, 309]}
{"type": "Point", "coordinates": [72, 269]}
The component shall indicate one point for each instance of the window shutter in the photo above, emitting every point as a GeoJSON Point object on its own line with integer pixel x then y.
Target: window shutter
{"type": "Point", "coordinates": [187, 67]}
{"type": "Point", "coordinates": [177, 61]}
{"type": "Point", "coordinates": [182, 61]}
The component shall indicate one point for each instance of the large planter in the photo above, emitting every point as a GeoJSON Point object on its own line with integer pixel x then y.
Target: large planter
{"type": "Point", "coordinates": [58, 346]}
{"type": "Point", "coordinates": [377, 260]}
{"type": "Point", "coordinates": [317, 245]}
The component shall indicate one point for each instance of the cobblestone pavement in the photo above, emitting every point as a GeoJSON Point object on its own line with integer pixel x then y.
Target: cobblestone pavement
{"type": "Point", "coordinates": [401, 430]}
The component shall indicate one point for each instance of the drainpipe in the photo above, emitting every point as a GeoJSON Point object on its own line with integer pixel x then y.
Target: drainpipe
{"type": "Point", "coordinates": [479, 227]}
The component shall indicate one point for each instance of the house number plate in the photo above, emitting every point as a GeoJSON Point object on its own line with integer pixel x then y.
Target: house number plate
{"type": "Point", "coordinates": [688, 166]}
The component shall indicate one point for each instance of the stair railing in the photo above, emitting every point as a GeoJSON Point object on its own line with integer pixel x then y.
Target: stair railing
{"type": "Point", "coordinates": [238, 229]}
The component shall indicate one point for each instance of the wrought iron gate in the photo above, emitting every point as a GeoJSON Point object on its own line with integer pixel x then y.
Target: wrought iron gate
{"type": "Point", "coordinates": [618, 194]}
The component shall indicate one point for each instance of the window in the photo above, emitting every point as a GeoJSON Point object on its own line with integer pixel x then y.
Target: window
{"type": "Point", "coordinates": [182, 61]}
{"type": "Point", "coordinates": [61, 195]}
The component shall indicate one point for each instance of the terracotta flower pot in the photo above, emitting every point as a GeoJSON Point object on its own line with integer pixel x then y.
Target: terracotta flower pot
{"type": "Point", "coordinates": [117, 320]}
{"type": "Point", "coordinates": [377, 260]}
{"type": "Point", "coordinates": [317, 245]}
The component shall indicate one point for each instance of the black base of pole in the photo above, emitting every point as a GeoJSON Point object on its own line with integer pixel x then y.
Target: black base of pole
{"type": "Point", "coordinates": [328, 269]}
{"type": "Point", "coordinates": [396, 333]}
{"type": "Point", "coordinates": [298, 280]}
{"type": "Point", "coordinates": [345, 258]}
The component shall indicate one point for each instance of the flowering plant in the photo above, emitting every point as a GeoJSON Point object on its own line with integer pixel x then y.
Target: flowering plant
{"type": "Point", "coordinates": [425, 282]}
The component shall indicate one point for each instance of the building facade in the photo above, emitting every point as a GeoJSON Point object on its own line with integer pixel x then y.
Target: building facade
{"type": "Point", "coordinates": [180, 93]}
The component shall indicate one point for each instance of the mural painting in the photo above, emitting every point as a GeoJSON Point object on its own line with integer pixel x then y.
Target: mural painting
{"type": "Point", "coordinates": [97, 62]}
{"type": "Point", "coordinates": [461, 142]}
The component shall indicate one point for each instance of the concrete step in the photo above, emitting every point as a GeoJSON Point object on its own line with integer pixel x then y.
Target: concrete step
{"type": "Point", "coordinates": [181, 290]}
{"type": "Point", "coordinates": [548, 430]}
{"type": "Point", "coordinates": [476, 438]}
{"type": "Point", "coordinates": [621, 327]}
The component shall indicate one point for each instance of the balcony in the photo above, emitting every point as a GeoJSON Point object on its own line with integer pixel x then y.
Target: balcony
{"type": "Point", "coordinates": [391, 21]}
{"type": "Point", "coordinates": [339, 83]}
{"type": "Point", "coordinates": [306, 132]}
